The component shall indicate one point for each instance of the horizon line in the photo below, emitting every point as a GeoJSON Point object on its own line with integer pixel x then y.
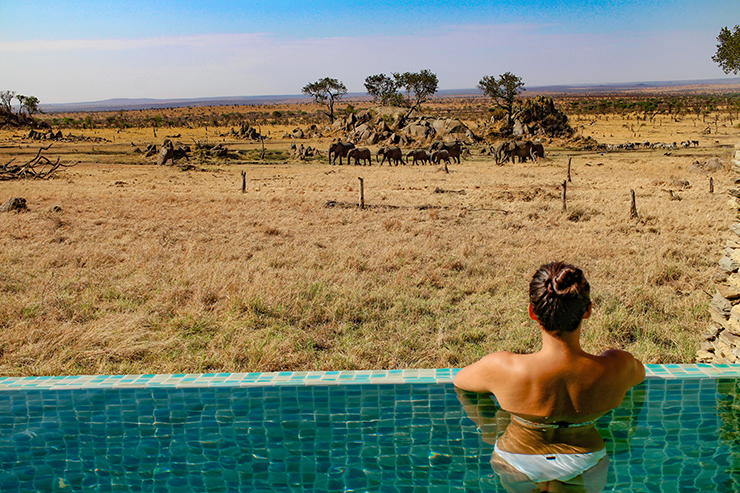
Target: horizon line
{"type": "Point", "coordinates": [130, 104]}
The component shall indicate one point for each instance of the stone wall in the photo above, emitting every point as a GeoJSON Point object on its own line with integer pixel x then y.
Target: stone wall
{"type": "Point", "coordinates": [721, 342]}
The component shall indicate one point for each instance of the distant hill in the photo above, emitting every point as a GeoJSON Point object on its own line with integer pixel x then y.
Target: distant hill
{"type": "Point", "coordinates": [689, 86]}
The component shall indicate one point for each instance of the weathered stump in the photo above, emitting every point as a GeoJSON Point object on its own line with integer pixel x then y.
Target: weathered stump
{"type": "Point", "coordinates": [633, 206]}
{"type": "Point", "coordinates": [15, 204]}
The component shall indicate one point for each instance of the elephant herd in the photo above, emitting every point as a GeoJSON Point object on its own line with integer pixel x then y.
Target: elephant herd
{"type": "Point", "coordinates": [439, 152]}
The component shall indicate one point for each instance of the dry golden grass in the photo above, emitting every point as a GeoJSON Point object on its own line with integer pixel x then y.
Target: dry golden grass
{"type": "Point", "coordinates": [153, 270]}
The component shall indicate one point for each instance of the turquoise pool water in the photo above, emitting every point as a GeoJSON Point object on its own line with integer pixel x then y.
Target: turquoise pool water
{"type": "Point", "coordinates": [670, 435]}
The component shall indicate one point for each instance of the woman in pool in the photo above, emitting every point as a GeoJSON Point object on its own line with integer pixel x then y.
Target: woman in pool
{"type": "Point", "coordinates": [555, 395]}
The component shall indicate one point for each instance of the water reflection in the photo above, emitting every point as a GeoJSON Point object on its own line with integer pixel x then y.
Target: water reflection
{"type": "Point", "coordinates": [530, 458]}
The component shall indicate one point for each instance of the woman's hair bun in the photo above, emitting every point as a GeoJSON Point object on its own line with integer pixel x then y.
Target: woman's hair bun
{"type": "Point", "coordinates": [566, 280]}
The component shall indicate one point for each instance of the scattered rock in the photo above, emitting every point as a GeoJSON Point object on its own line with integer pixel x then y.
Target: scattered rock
{"type": "Point", "coordinates": [17, 204]}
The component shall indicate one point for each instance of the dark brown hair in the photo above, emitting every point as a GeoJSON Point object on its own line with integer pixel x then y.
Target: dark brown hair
{"type": "Point", "coordinates": [560, 295]}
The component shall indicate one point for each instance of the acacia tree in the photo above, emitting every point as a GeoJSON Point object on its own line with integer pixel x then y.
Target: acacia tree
{"type": "Point", "coordinates": [383, 89]}
{"type": "Point", "coordinates": [503, 91]}
{"type": "Point", "coordinates": [28, 103]}
{"type": "Point", "coordinates": [6, 97]}
{"type": "Point", "coordinates": [728, 50]}
{"type": "Point", "coordinates": [326, 91]}
{"type": "Point", "coordinates": [419, 87]}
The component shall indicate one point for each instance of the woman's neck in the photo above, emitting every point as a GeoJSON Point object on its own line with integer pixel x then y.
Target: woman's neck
{"type": "Point", "coordinates": [568, 342]}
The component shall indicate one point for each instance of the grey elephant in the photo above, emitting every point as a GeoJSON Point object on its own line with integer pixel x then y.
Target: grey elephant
{"type": "Point", "coordinates": [523, 151]}
{"type": "Point", "coordinates": [340, 150]}
{"type": "Point", "coordinates": [393, 153]}
{"type": "Point", "coordinates": [454, 148]}
{"type": "Point", "coordinates": [441, 155]}
{"type": "Point", "coordinates": [538, 150]}
{"type": "Point", "coordinates": [512, 149]}
{"type": "Point", "coordinates": [418, 155]}
{"type": "Point", "coordinates": [502, 152]}
{"type": "Point", "coordinates": [360, 154]}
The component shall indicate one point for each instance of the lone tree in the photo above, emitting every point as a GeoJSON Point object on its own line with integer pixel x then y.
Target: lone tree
{"type": "Point", "coordinates": [383, 89]}
{"type": "Point", "coordinates": [728, 50]}
{"type": "Point", "coordinates": [503, 91]}
{"type": "Point", "coordinates": [326, 91]}
{"type": "Point", "coordinates": [28, 103]}
{"type": "Point", "coordinates": [419, 87]}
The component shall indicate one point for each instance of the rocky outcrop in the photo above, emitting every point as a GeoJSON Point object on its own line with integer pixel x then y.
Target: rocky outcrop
{"type": "Point", "coordinates": [44, 135]}
{"type": "Point", "coordinates": [246, 132]}
{"type": "Point", "coordinates": [172, 151]}
{"type": "Point", "coordinates": [532, 117]}
{"type": "Point", "coordinates": [367, 128]}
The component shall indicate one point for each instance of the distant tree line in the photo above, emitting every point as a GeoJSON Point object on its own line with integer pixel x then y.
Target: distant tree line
{"type": "Point", "coordinates": [698, 107]}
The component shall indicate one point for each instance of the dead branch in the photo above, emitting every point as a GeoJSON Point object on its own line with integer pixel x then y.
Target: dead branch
{"type": "Point", "coordinates": [38, 168]}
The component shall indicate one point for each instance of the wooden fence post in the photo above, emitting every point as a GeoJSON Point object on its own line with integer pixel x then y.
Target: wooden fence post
{"type": "Point", "coordinates": [262, 141]}
{"type": "Point", "coordinates": [244, 181]}
{"type": "Point", "coordinates": [362, 193]}
{"type": "Point", "coordinates": [633, 205]}
{"type": "Point", "coordinates": [564, 186]}
{"type": "Point", "coordinates": [569, 160]}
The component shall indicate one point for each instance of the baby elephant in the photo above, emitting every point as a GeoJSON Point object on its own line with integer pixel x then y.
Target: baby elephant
{"type": "Point", "coordinates": [418, 155]}
{"type": "Point", "coordinates": [360, 154]}
{"type": "Point", "coordinates": [441, 155]}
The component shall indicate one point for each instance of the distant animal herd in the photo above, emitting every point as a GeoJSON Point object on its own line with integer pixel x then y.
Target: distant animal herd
{"type": "Point", "coordinates": [438, 153]}
{"type": "Point", "coordinates": [451, 152]}
{"type": "Point", "coordinates": [630, 146]}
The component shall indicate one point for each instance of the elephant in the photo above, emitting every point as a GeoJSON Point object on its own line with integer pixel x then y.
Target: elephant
{"type": "Point", "coordinates": [512, 149]}
{"type": "Point", "coordinates": [418, 155]}
{"type": "Point", "coordinates": [393, 153]}
{"type": "Point", "coordinates": [538, 150]}
{"type": "Point", "coordinates": [502, 152]}
{"type": "Point", "coordinates": [360, 154]}
{"type": "Point", "coordinates": [441, 155]}
{"type": "Point", "coordinates": [454, 148]}
{"type": "Point", "coordinates": [340, 150]}
{"type": "Point", "coordinates": [522, 150]}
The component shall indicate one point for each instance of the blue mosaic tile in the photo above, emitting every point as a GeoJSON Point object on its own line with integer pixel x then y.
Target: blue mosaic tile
{"type": "Point", "coordinates": [380, 377]}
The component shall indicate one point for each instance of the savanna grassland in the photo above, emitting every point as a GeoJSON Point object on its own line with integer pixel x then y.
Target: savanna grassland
{"type": "Point", "coordinates": [121, 266]}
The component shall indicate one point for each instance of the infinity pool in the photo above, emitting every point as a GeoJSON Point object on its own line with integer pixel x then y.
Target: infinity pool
{"type": "Point", "coordinates": [670, 435]}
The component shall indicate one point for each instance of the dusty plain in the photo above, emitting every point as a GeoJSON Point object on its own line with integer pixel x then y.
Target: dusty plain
{"type": "Point", "coordinates": [122, 266]}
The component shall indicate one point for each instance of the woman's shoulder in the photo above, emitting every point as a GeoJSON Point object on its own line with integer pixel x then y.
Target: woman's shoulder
{"type": "Point", "coordinates": [490, 369]}
{"type": "Point", "coordinates": [624, 365]}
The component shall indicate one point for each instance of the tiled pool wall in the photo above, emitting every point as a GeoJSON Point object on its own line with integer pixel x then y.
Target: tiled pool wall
{"type": "Point", "coordinates": [388, 431]}
{"type": "Point", "coordinates": [375, 377]}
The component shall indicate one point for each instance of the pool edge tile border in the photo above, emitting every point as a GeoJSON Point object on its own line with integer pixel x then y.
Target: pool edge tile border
{"type": "Point", "coordinates": [309, 378]}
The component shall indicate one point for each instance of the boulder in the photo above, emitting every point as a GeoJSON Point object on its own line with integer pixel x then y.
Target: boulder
{"type": "Point", "coordinates": [419, 131]}
{"type": "Point", "coordinates": [712, 164]}
{"type": "Point", "coordinates": [166, 153]}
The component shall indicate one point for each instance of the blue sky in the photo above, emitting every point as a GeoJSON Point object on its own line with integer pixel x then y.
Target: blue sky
{"type": "Point", "coordinates": [92, 50]}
